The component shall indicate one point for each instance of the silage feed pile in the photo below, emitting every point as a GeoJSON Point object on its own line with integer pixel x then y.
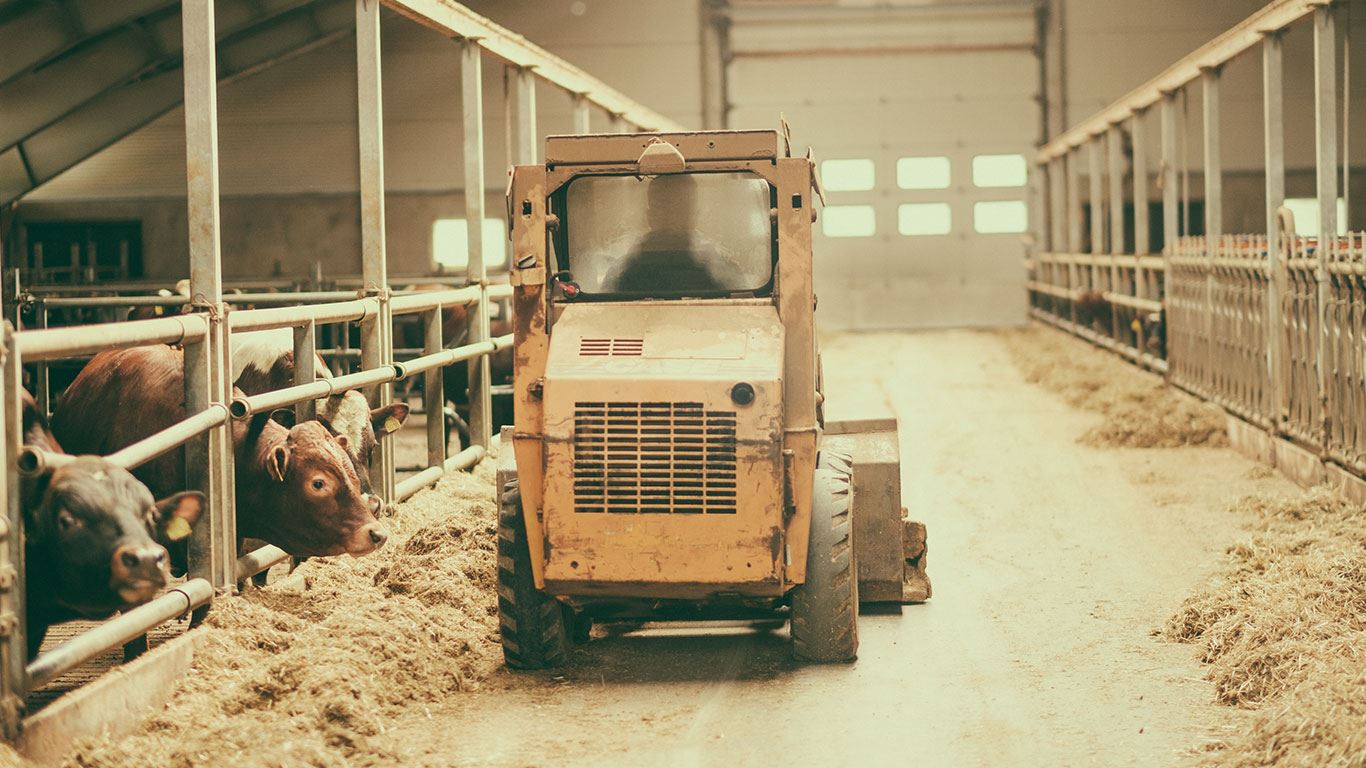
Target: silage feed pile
{"type": "Point", "coordinates": [310, 677]}
{"type": "Point", "coordinates": [1283, 629]}
{"type": "Point", "coordinates": [1138, 410]}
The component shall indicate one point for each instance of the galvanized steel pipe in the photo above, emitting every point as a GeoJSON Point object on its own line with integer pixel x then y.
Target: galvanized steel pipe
{"type": "Point", "coordinates": [117, 631]}
{"type": "Point", "coordinates": [286, 317]}
{"type": "Point", "coordinates": [245, 406]}
{"type": "Point", "coordinates": [258, 560]}
{"type": "Point", "coordinates": [418, 302]}
{"type": "Point", "coordinates": [55, 343]}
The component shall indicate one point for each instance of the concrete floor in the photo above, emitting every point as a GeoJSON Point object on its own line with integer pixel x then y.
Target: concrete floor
{"type": "Point", "coordinates": [1052, 563]}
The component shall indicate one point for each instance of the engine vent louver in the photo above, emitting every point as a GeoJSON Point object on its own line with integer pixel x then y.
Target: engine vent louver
{"type": "Point", "coordinates": [663, 457]}
{"type": "Point", "coordinates": [614, 347]}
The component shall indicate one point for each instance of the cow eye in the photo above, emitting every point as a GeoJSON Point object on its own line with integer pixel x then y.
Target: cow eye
{"type": "Point", "coordinates": [318, 483]}
{"type": "Point", "coordinates": [67, 521]}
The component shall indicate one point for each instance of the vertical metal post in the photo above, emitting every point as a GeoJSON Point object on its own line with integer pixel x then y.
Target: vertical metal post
{"type": "Point", "coordinates": [1057, 214]}
{"type": "Point", "coordinates": [1139, 138]}
{"type": "Point", "coordinates": [209, 458]}
{"type": "Point", "coordinates": [1214, 209]}
{"type": "Point", "coordinates": [1138, 135]}
{"type": "Point", "coordinates": [433, 390]}
{"type": "Point", "coordinates": [1097, 179]}
{"type": "Point", "coordinates": [1171, 204]}
{"type": "Point", "coordinates": [306, 366]}
{"type": "Point", "coordinates": [527, 138]}
{"type": "Point", "coordinates": [14, 643]}
{"type": "Point", "coordinates": [1115, 160]}
{"type": "Point", "coordinates": [582, 117]}
{"type": "Point", "coordinates": [1073, 227]}
{"type": "Point", "coordinates": [42, 373]}
{"type": "Point", "coordinates": [376, 333]}
{"type": "Point", "coordinates": [1326, 167]}
{"type": "Point", "coordinates": [524, 148]}
{"type": "Point", "coordinates": [1273, 133]}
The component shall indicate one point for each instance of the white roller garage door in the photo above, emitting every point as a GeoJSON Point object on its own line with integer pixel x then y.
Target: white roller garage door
{"type": "Point", "coordinates": [922, 117]}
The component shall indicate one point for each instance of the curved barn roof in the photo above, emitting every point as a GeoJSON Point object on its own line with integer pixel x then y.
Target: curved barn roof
{"type": "Point", "coordinates": [78, 75]}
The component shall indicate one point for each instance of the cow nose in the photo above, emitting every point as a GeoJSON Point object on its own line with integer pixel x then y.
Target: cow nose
{"type": "Point", "coordinates": [377, 536]}
{"type": "Point", "coordinates": [139, 562]}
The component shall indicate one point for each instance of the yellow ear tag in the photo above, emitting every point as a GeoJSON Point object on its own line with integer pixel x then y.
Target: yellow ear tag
{"type": "Point", "coordinates": [1137, 326]}
{"type": "Point", "coordinates": [177, 529]}
{"type": "Point", "coordinates": [392, 424]}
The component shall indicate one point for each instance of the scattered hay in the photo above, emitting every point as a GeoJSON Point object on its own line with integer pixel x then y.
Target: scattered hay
{"type": "Point", "coordinates": [1284, 632]}
{"type": "Point", "coordinates": [311, 677]}
{"type": "Point", "coordinates": [1139, 410]}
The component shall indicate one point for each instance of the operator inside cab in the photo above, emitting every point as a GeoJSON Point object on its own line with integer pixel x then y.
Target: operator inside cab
{"type": "Point", "coordinates": [673, 254]}
{"type": "Point", "coordinates": [668, 236]}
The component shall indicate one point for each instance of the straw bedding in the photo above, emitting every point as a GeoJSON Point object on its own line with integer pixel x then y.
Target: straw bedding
{"type": "Point", "coordinates": [1283, 630]}
{"type": "Point", "coordinates": [1138, 411]}
{"type": "Point", "coordinates": [310, 677]}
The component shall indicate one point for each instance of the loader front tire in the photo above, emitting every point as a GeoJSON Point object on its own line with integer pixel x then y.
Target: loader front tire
{"type": "Point", "coordinates": [530, 622]}
{"type": "Point", "coordinates": [825, 606]}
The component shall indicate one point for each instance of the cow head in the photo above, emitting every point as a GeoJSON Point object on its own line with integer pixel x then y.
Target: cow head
{"type": "Point", "coordinates": [308, 494]}
{"type": "Point", "coordinates": [349, 415]}
{"type": "Point", "coordinates": [92, 531]}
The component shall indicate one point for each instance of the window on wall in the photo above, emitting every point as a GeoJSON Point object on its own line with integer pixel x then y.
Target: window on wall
{"type": "Point", "coordinates": [848, 221]}
{"type": "Point", "coordinates": [450, 244]}
{"type": "Point", "coordinates": [1306, 210]}
{"type": "Point", "coordinates": [999, 171]}
{"type": "Point", "coordinates": [1000, 217]}
{"type": "Point", "coordinates": [923, 173]}
{"type": "Point", "coordinates": [855, 175]}
{"type": "Point", "coordinates": [922, 219]}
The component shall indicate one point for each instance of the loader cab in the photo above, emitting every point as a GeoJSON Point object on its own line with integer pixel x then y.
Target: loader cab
{"type": "Point", "coordinates": [637, 237]}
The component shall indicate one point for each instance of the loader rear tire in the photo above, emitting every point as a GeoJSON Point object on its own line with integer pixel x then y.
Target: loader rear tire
{"type": "Point", "coordinates": [530, 622]}
{"type": "Point", "coordinates": [825, 607]}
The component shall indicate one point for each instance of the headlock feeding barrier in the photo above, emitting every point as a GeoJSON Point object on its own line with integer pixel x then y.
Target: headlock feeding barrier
{"type": "Point", "coordinates": [203, 324]}
{"type": "Point", "coordinates": [1270, 325]}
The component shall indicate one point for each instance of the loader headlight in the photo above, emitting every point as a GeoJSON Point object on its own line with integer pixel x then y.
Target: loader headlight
{"type": "Point", "coordinates": [742, 393]}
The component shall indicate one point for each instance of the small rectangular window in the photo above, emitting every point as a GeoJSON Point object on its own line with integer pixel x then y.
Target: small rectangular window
{"type": "Point", "coordinates": [1306, 211]}
{"type": "Point", "coordinates": [1000, 217]}
{"type": "Point", "coordinates": [848, 221]}
{"type": "Point", "coordinates": [923, 173]}
{"type": "Point", "coordinates": [920, 219]}
{"type": "Point", "coordinates": [848, 175]}
{"type": "Point", "coordinates": [999, 171]}
{"type": "Point", "coordinates": [450, 244]}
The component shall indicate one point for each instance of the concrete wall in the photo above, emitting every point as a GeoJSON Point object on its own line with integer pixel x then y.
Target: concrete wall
{"type": "Point", "coordinates": [288, 138]}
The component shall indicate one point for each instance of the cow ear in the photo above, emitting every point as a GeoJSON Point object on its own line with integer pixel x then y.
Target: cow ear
{"type": "Point", "coordinates": [176, 515]}
{"type": "Point", "coordinates": [278, 463]}
{"type": "Point", "coordinates": [389, 418]}
{"type": "Point", "coordinates": [283, 416]}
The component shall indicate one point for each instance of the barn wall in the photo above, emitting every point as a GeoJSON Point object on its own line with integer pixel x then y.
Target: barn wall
{"type": "Point", "coordinates": [1111, 46]}
{"type": "Point", "coordinates": [288, 138]}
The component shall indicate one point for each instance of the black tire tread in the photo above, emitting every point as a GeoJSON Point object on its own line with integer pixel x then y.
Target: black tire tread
{"type": "Point", "coordinates": [530, 622]}
{"type": "Point", "coordinates": [825, 607]}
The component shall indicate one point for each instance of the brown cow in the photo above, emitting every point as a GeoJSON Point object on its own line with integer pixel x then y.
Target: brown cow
{"type": "Point", "coordinates": [89, 529]}
{"type": "Point", "coordinates": [296, 485]}
{"type": "Point", "coordinates": [263, 361]}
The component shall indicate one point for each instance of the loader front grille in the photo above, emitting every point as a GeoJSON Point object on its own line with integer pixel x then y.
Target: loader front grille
{"type": "Point", "coordinates": [653, 458]}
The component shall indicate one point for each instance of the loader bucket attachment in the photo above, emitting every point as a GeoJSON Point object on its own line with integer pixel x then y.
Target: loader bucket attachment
{"type": "Point", "coordinates": [889, 548]}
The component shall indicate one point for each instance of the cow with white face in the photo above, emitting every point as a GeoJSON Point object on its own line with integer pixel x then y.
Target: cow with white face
{"type": "Point", "coordinates": [263, 361]}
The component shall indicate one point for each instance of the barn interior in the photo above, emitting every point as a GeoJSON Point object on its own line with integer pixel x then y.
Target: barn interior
{"type": "Point", "coordinates": [1093, 266]}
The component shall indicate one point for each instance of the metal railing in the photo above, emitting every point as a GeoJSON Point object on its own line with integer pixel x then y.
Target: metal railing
{"type": "Point", "coordinates": [1270, 325]}
{"type": "Point", "coordinates": [205, 330]}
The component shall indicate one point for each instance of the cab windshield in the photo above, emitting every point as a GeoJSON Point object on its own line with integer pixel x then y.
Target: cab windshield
{"type": "Point", "coordinates": [673, 235]}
